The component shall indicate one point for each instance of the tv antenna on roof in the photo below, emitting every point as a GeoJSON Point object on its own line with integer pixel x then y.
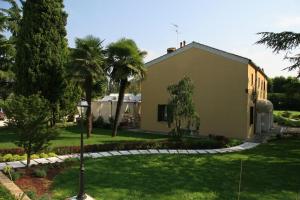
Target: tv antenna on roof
{"type": "Point", "coordinates": [176, 29]}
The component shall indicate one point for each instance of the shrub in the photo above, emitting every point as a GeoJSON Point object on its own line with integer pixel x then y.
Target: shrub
{"type": "Point", "coordinates": [18, 151]}
{"type": "Point", "coordinates": [15, 175]}
{"type": "Point", "coordinates": [51, 154]}
{"type": "Point", "coordinates": [16, 157]}
{"type": "Point", "coordinates": [35, 156]}
{"type": "Point", "coordinates": [175, 144]}
{"type": "Point", "coordinates": [233, 142]}
{"type": "Point", "coordinates": [8, 157]}
{"type": "Point", "coordinates": [41, 172]}
{"type": "Point", "coordinates": [43, 155]}
{"type": "Point", "coordinates": [100, 123]}
{"type": "Point", "coordinates": [7, 169]}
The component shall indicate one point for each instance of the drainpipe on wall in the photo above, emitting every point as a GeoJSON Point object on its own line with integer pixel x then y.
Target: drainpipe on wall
{"type": "Point", "coordinates": [255, 101]}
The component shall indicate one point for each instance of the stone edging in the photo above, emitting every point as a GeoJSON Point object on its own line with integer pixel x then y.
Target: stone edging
{"type": "Point", "coordinates": [58, 159]}
{"type": "Point", "coordinates": [12, 188]}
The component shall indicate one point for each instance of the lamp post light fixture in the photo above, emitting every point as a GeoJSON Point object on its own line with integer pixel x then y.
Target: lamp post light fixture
{"type": "Point", "coordinates": [83, 105]}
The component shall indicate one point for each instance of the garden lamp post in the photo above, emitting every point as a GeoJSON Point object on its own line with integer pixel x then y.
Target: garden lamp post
{"type": "Point", "coordinates": [81, 195]}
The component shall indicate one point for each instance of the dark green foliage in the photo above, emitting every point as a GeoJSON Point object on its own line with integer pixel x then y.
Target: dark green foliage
{"type": "Point", "coordinates": [42, 51]}
{"type": "Point", "coordinates": [15, 175]}
{"type": "Point", "coordinates": [100, 123]}
{"type": "Point", "coordinates": [30, 117]}
{"type": "Point", "coordinates": [87, 69]}
{"type": "Point", "coordinates": [283, 102]}
{"type": "Point", "coordinates": [284, 41]}
{"type": "Point", "coordinates": [181, 108]}
{"type": "Point", "coordinates": [184, 143]}
{"type": "Point", "coordinates": [124, 61]}
{"type": "Point", "coordinates": [9, 21]}
{"type": "Point", "coordinates": [40, 172]}
{"type": "Point", "coordinates": [284, 93]}
{"type": "Point", "coordinates": [68, 103]}
{"type": "Point", "coordinates": [5, 195]}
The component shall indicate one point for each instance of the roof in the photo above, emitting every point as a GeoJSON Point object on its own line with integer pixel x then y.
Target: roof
{"type": "Point", "coordinates": [128, 97]}
{"type": "Point", "coordinates": [212, 50]}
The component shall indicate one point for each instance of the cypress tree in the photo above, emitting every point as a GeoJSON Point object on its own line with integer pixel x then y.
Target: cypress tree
{"type": "Point", "coordinates": [42, 51]}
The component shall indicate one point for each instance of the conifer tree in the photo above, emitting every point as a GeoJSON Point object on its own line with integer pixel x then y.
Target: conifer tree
{"type": "Point", "coordinates": [42, 51]}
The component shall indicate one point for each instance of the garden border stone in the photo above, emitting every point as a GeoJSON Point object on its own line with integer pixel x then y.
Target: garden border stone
{"type": "Point", "coordinates": [62, 158]}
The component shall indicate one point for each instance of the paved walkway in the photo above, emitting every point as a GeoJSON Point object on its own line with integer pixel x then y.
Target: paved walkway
{"type": "Point", "coordinates": [58, 159]}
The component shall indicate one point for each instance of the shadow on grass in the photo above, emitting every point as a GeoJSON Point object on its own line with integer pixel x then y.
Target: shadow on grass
{"type": "Point", "coordinates": [173, 177]}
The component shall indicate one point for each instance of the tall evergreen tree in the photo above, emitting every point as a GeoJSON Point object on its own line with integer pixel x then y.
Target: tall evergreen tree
{"type": "Point", "coordinates": [42, 51]}
{"type": "Point", "coordinates": [9, 22]}
{"type": "Point", "coordinates": [284, 41]}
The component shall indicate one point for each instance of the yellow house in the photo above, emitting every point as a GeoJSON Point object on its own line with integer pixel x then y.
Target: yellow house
{"type": "Point", "coordinates": [227, 89]}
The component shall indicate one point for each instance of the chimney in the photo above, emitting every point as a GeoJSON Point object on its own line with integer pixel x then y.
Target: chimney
{"type": "Point", "coordinates": [171, 49]}
{"type": "Point", "coordinates": [180, 44]}
{"type": "Point", "coordinates": [183, 42]}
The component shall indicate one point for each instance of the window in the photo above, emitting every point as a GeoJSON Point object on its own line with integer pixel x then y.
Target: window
{"type": "Point", "coordinates": [252, 79]}
{"type": "Point", "coordinates": [162, 113]}
{"type": "Point", "coordinates": [258, 82]}
{"type": "Point", "coordinates": [251, 115]}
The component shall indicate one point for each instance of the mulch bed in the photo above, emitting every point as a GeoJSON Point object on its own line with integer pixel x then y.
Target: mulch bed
{"type": "Point", "coordinates": [40, 186]}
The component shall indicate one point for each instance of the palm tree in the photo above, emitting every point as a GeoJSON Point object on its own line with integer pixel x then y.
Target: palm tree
{"type": "Point", "coordinates": [124, 61]}
{"type": "Point", "coordinates": [87, 64]}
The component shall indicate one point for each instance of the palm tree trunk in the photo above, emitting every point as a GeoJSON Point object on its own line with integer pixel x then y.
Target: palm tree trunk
{"type": "Point", "coordinates": [88, 96]}
{"type": "Point", "coordinates": [123, 85]}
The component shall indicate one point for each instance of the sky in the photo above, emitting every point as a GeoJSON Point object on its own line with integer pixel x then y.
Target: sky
{"type": "Point", "coordinates": [230, 25]}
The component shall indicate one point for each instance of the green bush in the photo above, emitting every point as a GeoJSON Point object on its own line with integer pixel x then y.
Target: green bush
{"type": "Point", "coordinates": [34, 156]}
{"type": "Point", "coordinates": [282, 101]}
{"type": "Point", "coordinates": [15, 175]}
{"type": "Point", "coordinates": [41, 172]}
{"type": "Point", "coordinates": [8, 157]}
{"type": "Point", "coordinates": [43, 155]}
{"type": "Point", "coordinates": [7, 169]}
{"type": "Point", "coordinates": [51, 154]}
{"type": "Point", "coordinates": [233, 142]}
{"type": "Point", "coordinates": [100, 123]}
{"type": "Point", "coordinates": [16, 157]}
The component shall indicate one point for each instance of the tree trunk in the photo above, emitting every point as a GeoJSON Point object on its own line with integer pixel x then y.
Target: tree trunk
{"type": "Point", "coordinates": [123, 85]}
{"type": "Point", "coordinates": [28, 159]}
{"type": "Point", "coordinates": [89, 117]}
{"type": "Point", "coordinates": [53, 120]}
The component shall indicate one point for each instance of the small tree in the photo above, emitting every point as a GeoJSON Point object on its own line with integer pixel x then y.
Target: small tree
{"type": "Point", "coordinates": [30, 116]}
{"type": "Point", "coordinates": [181, 108]}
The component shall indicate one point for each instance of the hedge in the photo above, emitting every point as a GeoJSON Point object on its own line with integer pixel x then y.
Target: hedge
{"type": "Point", "coordinates": [282, 101]}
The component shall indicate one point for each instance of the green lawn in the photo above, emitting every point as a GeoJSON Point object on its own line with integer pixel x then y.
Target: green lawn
{"type": "Point", "coordinates": [4, 194]}
{"type": "Point", "coordinates": [270, 172]}
{"type": "Point", "coordinates": [287, 118]}
{"type": "Point", "coordinates": [279, 112]}
{"type": "Point", "coordinates": [70, 136]}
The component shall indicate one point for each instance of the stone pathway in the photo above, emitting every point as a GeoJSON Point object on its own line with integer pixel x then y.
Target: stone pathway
{"type": "Point", "coordinates": [61, 158]}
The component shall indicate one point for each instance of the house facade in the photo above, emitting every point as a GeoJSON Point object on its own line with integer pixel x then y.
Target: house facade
{"type": "Point", "coordinates": [227, 88]}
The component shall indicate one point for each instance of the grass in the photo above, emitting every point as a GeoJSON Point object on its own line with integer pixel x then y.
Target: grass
{"type": "Point", "coordinates": [270, 172]}
{"type": "Point", "coordinates": [5, 195]}
{"type": "Point", "coordinates": [287, 118]}
{"type": "Point", "coordinates": [70, 136]}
